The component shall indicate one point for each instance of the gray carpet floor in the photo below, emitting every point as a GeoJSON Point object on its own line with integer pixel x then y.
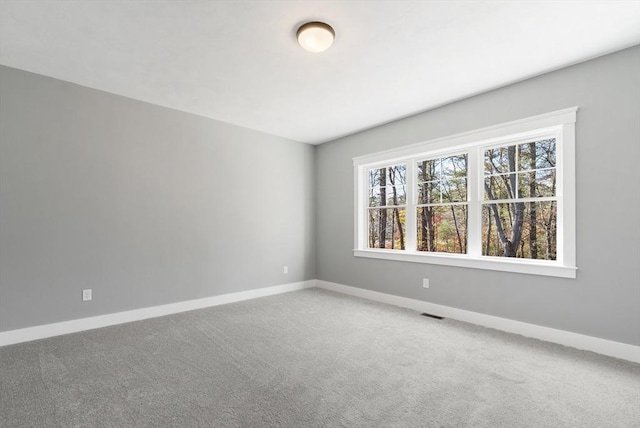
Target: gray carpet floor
{"type": "Point", "coordinates": [310, 358]}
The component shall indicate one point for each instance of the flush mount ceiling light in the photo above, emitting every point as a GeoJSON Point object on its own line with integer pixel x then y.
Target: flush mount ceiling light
{"type": "Point", "coordinates": [315, 36]}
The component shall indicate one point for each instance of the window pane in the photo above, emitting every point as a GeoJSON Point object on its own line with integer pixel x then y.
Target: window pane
{"type": "Point", "coordinates": [546, 153]}
{"type": "Point", "coordinates": [537, 154]}
{"type": "Point", "coordinates": [429, 193]}
{"type": "Point", "coordinates": [537, 184]}
{"type": "Point", "coordinates": [442, 229]}
{"type": "Point", "coordinates": [375, 198]}
{"type": "Point", "coordinates": [385, 196]}
{"type": "Point", "coordinates": [397, 175]}
{"type": "Point", "coordinates": [386, 228]}
{"type": "Point", "coordinates": [396, 195]}
{"type": "Point", "coordinates": [520, 229]}
{"type": "Point", "coordinates": [379, 177]}
{"type": "Point", "coordinates": [546, 182]}
{"type": "Point", "coordinates": [453, 167]}
{"type": "Point", "coordinates": [454, 190]}
{"type": "Point", "coordinates": [388, 186]}
{"type": "Point", "coordinates": [374, 177]}
{"type": "Point", "coordinates": [427, 170]}
{"type": "Point", "coordinates": [499, 187]}
{"type": "Point", "coordinates": [527, 156]}
{"type": "Point", "coordinates": [500, 160]}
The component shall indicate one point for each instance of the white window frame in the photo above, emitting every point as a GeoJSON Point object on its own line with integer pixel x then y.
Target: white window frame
{"type": "Point", "coordinates": [560, 124]}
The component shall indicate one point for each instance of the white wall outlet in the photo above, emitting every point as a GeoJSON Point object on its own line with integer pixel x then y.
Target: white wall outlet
{"type": "Point", "coordinates": [425, 282]}
{"type": "Point", "coordinates": [86, 294]}
{"type": "Point", "coordinates": [286, 269]}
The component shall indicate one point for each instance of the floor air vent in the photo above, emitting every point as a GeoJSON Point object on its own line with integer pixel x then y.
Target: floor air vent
{"type": "Point", "coordinates": [424, 314]}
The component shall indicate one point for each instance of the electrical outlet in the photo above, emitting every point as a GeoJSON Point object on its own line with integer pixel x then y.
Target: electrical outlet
{"type": "Point", "coordinates": [286, 269]}
{"type": "Point", "coordinates": [425, 282]}
{"type": "Point", "coordinates": [86, 295]}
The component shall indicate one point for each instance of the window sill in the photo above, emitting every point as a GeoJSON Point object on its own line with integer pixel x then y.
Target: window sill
{"type": "Point", "coordinates": [488, 263]}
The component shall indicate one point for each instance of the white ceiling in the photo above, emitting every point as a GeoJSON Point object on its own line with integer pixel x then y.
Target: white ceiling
{"type": "Point", "coordinates": [238, 61]}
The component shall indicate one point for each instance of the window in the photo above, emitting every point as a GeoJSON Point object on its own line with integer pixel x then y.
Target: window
{"type": "Point", "coordinates": [442, 205]}
{"type": "Point", "coordinates": [520, 210]}
{"type": "Point", "coordinates": [387, 207]}
{"type": "Point", "coordinates": [500, 198]}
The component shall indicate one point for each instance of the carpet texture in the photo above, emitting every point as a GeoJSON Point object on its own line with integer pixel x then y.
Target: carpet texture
{"type": "Point", "coordinates": [310, 358]}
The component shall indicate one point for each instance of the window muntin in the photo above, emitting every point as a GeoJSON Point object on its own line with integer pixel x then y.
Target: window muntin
{"type": "Point", "coordinates": [541, 185]}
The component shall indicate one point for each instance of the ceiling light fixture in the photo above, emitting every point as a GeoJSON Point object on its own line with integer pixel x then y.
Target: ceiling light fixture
{"type": "Point", "coordinates": [315, 36]}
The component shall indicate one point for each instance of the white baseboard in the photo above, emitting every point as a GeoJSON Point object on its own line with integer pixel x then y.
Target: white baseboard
{"type": "Point", "coordinates": [580, 341]}
{"type": "Point", "coordinates": [49, 330]}
{"type": "Point", "coordinates": [589, 343]}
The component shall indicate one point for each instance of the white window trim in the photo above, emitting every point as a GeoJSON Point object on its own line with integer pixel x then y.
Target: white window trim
{"type": "Point", "coordinates": [561, 123]}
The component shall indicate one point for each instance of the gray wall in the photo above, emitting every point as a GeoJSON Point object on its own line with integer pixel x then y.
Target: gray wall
{"type": "Point", "coordinates": [604, 301]}
{"type": "Point", "coordinates": [147, 205]}
{"type": "Point", "coordinates": [143, 204]}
